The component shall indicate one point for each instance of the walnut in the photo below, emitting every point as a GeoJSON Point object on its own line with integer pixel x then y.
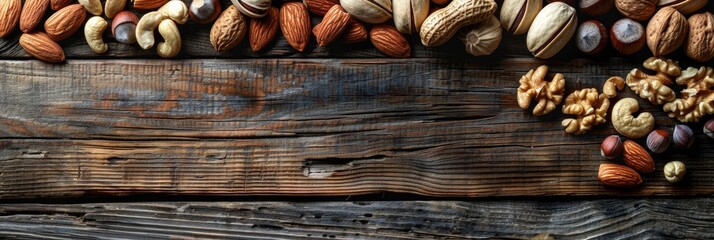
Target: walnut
{"type": "Point", "coordinates": [590, 108]}
{"type": "Point", "coordinates": [549, 94]}
{"type": "Point", "coordinates": [698, 97]}
{"type": "Point", "coordinates": [654, 87]}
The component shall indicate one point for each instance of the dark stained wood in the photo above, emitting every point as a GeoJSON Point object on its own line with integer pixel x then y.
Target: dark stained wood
{"type": "Point", "coordinates": [304, 127]}
{"type": "Point", "coordinates": [601, 219]}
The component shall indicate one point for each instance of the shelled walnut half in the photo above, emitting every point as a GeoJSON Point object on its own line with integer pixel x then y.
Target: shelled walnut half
{"type": "Point", "coordinates": [534, 86]}
{"type": "Point", "coordinates": [589, 106]}
{"type": "Point", "coordinates": [698, 97]}
{"type": "Point", "coordinates": [654, 87]}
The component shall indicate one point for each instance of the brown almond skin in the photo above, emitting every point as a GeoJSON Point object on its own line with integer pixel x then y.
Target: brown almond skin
{"type": "Point", "coordinates": [332, 26]}
{"type": "Point", "coordinates": [148, 4]}
{"type": "Point", "coordinates": [65, 22]}
{"type": "Point", "coordinates": [228, 30]}
{"type": "Point", "coordinates": [614, 175]}
{"type": "Point", "coordinates": [59, 4]}
{"type": "Point", "coordinates": [355, 32]}
{"type": "Point", "coordinates": [388, 40]}
{"type": "Point", "coordinates": [320, 7]}
{"type": "Point", "coordinates": [263, 30]}
{"type": "Point", "coordinates": [637, 157]}
{"type": "Point", "coordinates": [10, 11]}
{"type": "Point", "coordinates": [32, 14]}
{"type": "Point", "coordinates": [40, 46]}
{"type": "Point", "coordinates": [295, 24]}
{"type": "Point", "coordinates": [700, 43]}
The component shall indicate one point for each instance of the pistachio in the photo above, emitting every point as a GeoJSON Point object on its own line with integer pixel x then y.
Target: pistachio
{"type": "Point", "coordinates": [369, 11]}
{"type": "Point", "coordinates": [517, 15]}
{"type": "Point", "coordinates": [409, 14]}
{"type": "Point", "coordinates": [551, 30]}
{"type": "Point", "coordinates": [683, 6]}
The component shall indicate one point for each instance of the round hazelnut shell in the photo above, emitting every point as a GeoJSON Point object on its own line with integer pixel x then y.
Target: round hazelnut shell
{"type": "Point", "coordinates": [627, 48]}
{"type": "Point", "coordinates": [598, 8]}
{"type": "Point", "coordinates": [603, 36]}
{"type": "Point", "coordinates": [216, 12]}
{"type": "Point", "coordinates": [124, 17]}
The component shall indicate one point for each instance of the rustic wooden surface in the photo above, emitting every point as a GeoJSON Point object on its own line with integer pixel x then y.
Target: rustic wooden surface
{"type": "Point", "coordinates": [332, 121]}
{"type": "Point", "coordinates": [597, 219]}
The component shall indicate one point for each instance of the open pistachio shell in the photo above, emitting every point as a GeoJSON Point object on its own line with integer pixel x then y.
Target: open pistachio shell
{"type": "Point", "coordinates": [551, 30]}
{"type": "Point", "coordinates": [409, 14]}
{"type": "Point", "coordinates": [252, 8]}
{"type": "Point", "coordinates": [369, 11]}
{"type": "Point", "coordinates": [517, 15]}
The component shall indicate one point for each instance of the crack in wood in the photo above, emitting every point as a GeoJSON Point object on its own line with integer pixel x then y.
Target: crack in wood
{"type": "Point", "coordinates": [325, 167]}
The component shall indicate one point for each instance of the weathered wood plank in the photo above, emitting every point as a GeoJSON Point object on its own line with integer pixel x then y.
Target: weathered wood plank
{"type": "Point", "coordinates": [196, 45]}
{"type": "Point", "coordinates": [303, 127]}
{"type": "Point", "coordinates": [595, 219]}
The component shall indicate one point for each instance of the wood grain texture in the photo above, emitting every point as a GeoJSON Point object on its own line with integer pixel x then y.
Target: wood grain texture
{"type": "Point", "coordinates": [596, 219]}
{"type": "Point", "coordinates": [304, 127]}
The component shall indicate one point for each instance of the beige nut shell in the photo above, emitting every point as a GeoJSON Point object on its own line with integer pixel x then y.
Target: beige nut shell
{"type": "Point", "coordinates": [551, 30]}
{"type": "Point", "coordinates": [252, 8]}
{"type": "Point", "coordinates": [409, 14]}
{"type": "Point", "coordinates": [518, 15]}
{"type": "Point", "coordinates": [482, 38]}
{"type": "Point", "coordinates": [666, 31]}
{"type": "Point", "coordinates": [700, 43]}
{"type": "Point", "coordinates": [374, 11]}
{"type": "Point", "coordinates": [683, 6]}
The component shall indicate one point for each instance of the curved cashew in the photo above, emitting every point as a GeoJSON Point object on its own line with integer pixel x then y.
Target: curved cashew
{"type": "Point", "coordinates": [93, 33]}
{"type": "Point", "coordinates": [176, 10]}
{"type": "Point", "coordinates": [172, 39]}
{"type": "Point", "coordinates": [93, 6]}
{"type": "Point", "coordinates": [628, 125]}
{"type": "Point", "coordinates": [612, 85]}
{"type": "Point", "coordinates": [112, 7]}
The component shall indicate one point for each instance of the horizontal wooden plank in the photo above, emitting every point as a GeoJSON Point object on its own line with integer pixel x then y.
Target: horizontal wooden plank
{"type": "Point", "coordinates": [304, 127]}
{"type": "Point", "coordinates": [196, 45]}
{"type": "Point", "coordinates": [599, 219]}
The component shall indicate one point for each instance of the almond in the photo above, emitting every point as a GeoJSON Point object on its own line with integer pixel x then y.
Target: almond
{"type": "Point", "coordinates": [615, 175]}
{"type": "Point", "coordinates": [10, 10]}
{"type": "Point", "coordinates": [228, 30]}
{"type": "Point", "coordinates": [40, 46]}
{"type": "Point", "coordinates": [637, 157]}
{"type": "Point", "coordinates": [32, 14]}
{"type": "Point", "coordinates": [148, 4]}
{"type": "Point", "coordinates": [295, 24]}
{"type": "Point", "coordinates": [263, 30]}
{"type": "Point", "coordinates": [389, 41]}
{"type": "Point", "coordinates": [355, 32]}
{"type": "Point", "coordinates": [65, 22]}
{"type": "Point", "coordinates": [59, 4]}
{"type": "Point", "coordinates": [332, 26]}
{"type": "Point", "coordinates": [320, 7]}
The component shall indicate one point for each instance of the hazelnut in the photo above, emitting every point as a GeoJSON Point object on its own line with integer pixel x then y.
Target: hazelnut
{"type": "Point", "coordinates": [591, 37]}
{"type": "Point", "coordinates": [596, 7]}
{"type": "Point", "coordinates": [124, 27]}
{"type": "Point", "coordinates": [204, 11]}
{"type": "Point", "coordinates": [666, 31]}
{"type": "Point", "coordinates": [640, 10]}
{"type": "Point", "coordinates": [674, 171]}
{"type": "Point", "coordinates": [658, 141]}
{"type": "Point", "coordinates": [627, 36]}
{"type": "Point", "coordinates": [709, 128]}
{"type": "Point", "coordinates": [611, 147]}
{"type": "Point", "coordinates": [683, 136]}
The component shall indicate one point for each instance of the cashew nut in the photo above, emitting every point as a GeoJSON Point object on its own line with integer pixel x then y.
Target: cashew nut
{"type": "Point", "coordinates": [628, 125]}
{"type": "Point", "coordinates": [93, 6]}
{"type": "Point", "coordinates": [112, 7]}
{"type": "Point", "coordinates": [93, 33]}
{"type": "Point", "coordinates": [175, 10]}
{"type": "Point", "coordinates": [172, 39]}
{"type": "Point", "coordinates": [612, 85]}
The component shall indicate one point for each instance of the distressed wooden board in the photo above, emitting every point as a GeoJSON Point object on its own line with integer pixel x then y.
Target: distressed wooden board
{"type": "Point", "coordinates": [595, 219]}
{"type": "Point", "coordinates": [196, 45]}
{"type": "Point", "coordinates": [304, 127]}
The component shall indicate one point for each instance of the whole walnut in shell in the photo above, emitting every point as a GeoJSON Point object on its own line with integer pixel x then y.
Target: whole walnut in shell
{"type": "Point", "coordinates": [534, 86]}
{"type": "Point", "coordinates": [666, 31]}
{"type": "Point", "coordinates": [700, 43]}
{"type": "Point", "coordinates": [639, 10]}
{"type": "Point", "coordinates": [589, 106]}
